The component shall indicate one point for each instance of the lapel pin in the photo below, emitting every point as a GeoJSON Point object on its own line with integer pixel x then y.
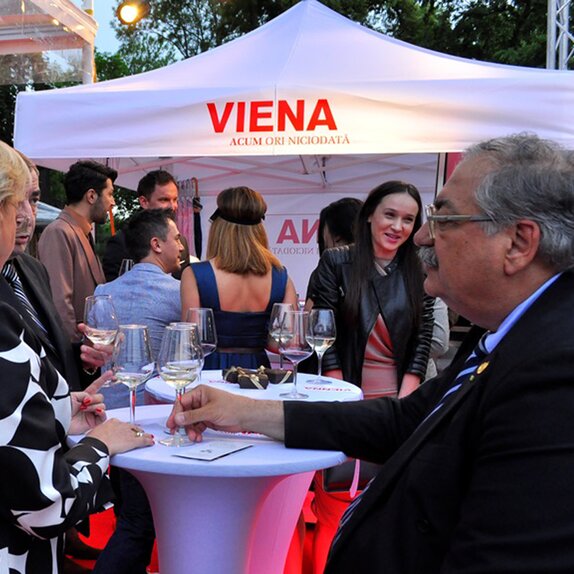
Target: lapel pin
{"type": "Point", "coordinates": [481, 367]}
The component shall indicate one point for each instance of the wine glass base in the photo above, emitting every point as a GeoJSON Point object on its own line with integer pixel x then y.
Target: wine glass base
{"type": "Point", "coordinates": [176, 441]}
{"type": "Point", "coordinates": [294, 395]}
{"type": "Point", "coordinates": [319, 380]}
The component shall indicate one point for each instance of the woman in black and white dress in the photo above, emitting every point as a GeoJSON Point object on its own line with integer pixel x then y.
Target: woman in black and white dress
{"type": "Point", "coordinates": [46, 487]}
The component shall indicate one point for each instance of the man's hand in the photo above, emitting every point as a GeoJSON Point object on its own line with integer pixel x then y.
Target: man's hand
{"type": "Point", "coordinates": [206, 407]}
{"type": "Point", "coordinates": [93, 356]}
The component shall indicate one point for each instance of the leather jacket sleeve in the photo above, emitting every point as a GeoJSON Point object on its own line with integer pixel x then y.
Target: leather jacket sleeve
{"type": "Point", "coordinates": [421, 350]}
{"type": "Point", "coordinates": [325, 290]}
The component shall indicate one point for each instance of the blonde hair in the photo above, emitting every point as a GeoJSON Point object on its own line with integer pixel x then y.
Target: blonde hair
{"type": "Point", "coordinates": [14, 175]}
{"type": "Point", "coordinates": [240, 247]}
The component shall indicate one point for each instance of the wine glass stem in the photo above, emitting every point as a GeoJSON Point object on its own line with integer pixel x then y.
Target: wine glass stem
{"type": "Point", "coordinates": [294, 378]}
{"type": "Point", "coordinates": [133, 406]}
{"type": "Point", "coordinates": [280, 360]}
{"type": "Point", "coordinates": [320, 365]}
{"type": "Point", "coordinates": [178, 397]}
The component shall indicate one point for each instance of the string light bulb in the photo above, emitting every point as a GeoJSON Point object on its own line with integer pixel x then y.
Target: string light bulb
{"type": "Point", "coordinates": [130, 12]}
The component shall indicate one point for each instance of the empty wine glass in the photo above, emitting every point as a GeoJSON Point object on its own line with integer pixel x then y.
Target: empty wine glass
{"type": "Point", "coordinates": [126, 265]}
{"type": "Point", "coordinates": [321, 333]}
{"type": "Point", "coordinates": [275, 319]}
{"type": "Point", "coordinates": [205, 321]}
{"type": "Point", "coordinates": [133, 364]}
{"type": "Point", "coordinates": [100, 319]}
{"type": "Point", "coordinates": [179, 363]}
{"type": "Point", "coordinates": [294, 346]}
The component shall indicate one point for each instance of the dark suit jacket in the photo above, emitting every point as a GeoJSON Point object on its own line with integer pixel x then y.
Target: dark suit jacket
{"type": "Point", "coordinates": [117, 250]}
{"type": "Point", "coordinates": [61, 353]}
{"type": "Point", "coordinates": [485, 485]}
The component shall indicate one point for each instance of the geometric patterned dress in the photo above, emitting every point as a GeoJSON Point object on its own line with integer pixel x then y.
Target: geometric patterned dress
{"type": "Point", "coordinates": [45, 487]}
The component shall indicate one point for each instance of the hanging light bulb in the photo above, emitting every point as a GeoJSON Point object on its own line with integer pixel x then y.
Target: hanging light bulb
{"type": "Point", "coordinates": [130, 12]}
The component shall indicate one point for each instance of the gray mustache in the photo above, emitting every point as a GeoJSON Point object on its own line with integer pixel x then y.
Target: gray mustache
{"type": "Point", "coordinates": [428, 256]}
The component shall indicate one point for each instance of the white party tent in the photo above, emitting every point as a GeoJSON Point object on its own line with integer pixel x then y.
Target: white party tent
{"type": "Point", "coordinates": [309, 102]}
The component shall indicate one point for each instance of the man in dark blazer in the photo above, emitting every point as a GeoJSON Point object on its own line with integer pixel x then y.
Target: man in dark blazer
{"type": "Point", "coordinates": [156, 190]}
{"type": "Point", "coordinates": [478, 463]}
{"type": "Point", "coordinates": [70, 359]}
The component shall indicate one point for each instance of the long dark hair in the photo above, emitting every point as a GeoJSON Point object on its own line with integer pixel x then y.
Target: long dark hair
{"type": "Point", "coordinates": [363, 265]}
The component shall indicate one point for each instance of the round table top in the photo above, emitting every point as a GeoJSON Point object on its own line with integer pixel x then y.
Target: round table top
{"type": "Point", "coordinates": [266, 457]}
{"type": "Point", "coordinates": [333, 390]}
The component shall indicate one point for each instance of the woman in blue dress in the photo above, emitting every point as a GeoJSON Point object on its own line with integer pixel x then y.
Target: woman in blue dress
{"type": "Point", "coordinates": [240, 281]}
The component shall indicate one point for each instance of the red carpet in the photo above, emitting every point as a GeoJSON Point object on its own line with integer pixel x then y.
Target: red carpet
{"type": "Point", "coordinates": [102, 526]}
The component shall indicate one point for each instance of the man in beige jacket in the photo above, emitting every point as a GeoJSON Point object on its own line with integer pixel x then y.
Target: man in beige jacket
{"type": "Point", "coordinates": [66, 246]}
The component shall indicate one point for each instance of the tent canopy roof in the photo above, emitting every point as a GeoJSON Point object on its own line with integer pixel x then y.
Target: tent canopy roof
{"type": "Point", "coordinates": [289, 99]}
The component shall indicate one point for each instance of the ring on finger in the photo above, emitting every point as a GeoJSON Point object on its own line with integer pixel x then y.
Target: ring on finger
{"type": "Point", "coordinates": [138, 432]}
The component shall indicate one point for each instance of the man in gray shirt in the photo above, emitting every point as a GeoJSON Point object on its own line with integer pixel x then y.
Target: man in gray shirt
{"type": "Point", "coordinates": [146, 295]}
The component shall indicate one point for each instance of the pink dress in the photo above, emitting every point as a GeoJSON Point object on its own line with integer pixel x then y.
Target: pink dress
{"type": "Point", "coordinates": [379, 375]}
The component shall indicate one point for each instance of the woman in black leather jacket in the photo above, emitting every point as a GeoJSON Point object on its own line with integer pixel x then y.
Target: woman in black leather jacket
{"type": "Point", "coordinates": [377, 278]}
{"type": "Point", "coordinates": [384, 320]}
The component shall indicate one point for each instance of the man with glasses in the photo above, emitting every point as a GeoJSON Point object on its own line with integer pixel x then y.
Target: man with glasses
{"type": "Point", "coordinates": [478, 463]}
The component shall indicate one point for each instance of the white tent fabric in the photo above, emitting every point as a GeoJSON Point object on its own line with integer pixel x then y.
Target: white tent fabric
{"type": "Point", "coordinates": [309, 102]}
{"type": "Point", "coordinates": [308, 82]}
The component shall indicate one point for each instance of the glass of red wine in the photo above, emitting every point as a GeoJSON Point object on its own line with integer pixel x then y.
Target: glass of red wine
{"type": "Point", "coordinates": [294, 345]}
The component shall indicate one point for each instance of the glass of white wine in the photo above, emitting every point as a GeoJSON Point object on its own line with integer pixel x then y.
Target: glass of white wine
{"type": "Point", "coordinates": [321, 334]}
{"type": "Point", "coordinates": [179, 364]}
{"type": "Point", "coordinates": [100, 319]}
{"type": "Point", "coordinates": [133, 364]}
{"type": "Point", "coordinates": [294, 345]}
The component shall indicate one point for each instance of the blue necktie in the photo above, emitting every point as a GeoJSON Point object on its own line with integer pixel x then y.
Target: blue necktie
{"type": "Point", "coordinates": [470, 365]}
{"type": "Point", "coordinates": [10, 274]}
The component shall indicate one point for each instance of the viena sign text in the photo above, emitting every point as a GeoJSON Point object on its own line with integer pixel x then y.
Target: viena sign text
{"type": "Point", "coordinates": [265, 122]}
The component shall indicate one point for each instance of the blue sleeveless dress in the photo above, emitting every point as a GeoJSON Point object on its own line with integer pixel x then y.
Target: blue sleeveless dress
{"type": "Point", "coordinates": [244, 334]}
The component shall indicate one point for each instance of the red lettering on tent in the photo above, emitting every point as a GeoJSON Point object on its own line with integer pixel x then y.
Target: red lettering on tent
{"type": "Point", "coordinates": [240, 125]}
{"type": "Point", "coordinates": [256, 114]}
{"type": "Point", "coordinates": [297, 119]}
{"type": "Point", "coordinates": [288, 232]}
{"type": "Point", "coordinates": [219, 124]}
{"type": "Point", "coordinates": [328, 120]}
{"type": "Point", "coordinates": [308, 234]}
{"type": "Point", "coordinates": [264, 116]}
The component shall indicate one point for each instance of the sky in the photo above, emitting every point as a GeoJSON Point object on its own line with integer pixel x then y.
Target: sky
{"type": "Point", "coordinates": [104, 12]}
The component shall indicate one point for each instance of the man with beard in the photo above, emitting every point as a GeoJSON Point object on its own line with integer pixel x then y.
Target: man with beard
{"type": "Point", "coordinates": [66, 246]}
{"type": "Point", "coordinates": [478, 462]}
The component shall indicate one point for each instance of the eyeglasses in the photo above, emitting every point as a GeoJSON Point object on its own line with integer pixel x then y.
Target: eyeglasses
{"type": "Point", "coordinates": [435, 220]}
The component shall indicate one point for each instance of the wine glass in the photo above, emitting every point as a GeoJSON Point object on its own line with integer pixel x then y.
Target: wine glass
{"type": "Point", "coordinates": [133, 364]}
{"type": "Point", "coordinates": [179, 363]}
{"type": "Point", "coordinates": [205, 321]}
{"type": "Point", "coordinates": [294, 346]}
{"type": "Point", "coordinates": [321, 333]}
{"type": "Point", "coordinates": [126, 265]}
{"type": "Point", "coordinates": [275, 320]}
{"type": "Point", "coordinates": [100, 319]}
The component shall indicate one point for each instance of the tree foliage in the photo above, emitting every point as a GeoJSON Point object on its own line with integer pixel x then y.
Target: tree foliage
{"type": "Point", "coordinates": [505, 31]}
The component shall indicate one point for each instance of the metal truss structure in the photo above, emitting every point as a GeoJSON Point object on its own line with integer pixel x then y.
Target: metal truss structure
{"type": "Point", "coordinates": [560, 42]}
